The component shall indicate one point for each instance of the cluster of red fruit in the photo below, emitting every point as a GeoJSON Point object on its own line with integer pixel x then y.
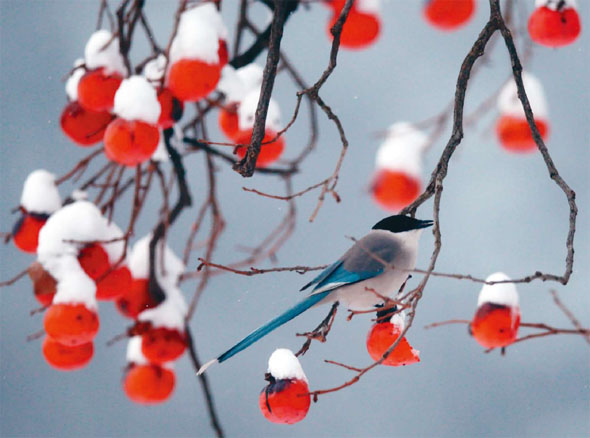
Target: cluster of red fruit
{"type": "Point", "coordinates": [128, 116]}
{"type": "Point", "coordinates": [70, 276]}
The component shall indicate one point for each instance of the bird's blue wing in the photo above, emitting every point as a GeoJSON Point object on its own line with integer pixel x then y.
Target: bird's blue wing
{"type": "Point", "coordinates": [323, 275]}
{"type": "Point", "coordinates": [340, 276]}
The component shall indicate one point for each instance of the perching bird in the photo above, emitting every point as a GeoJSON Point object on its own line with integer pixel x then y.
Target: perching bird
{"type": "Point", "coordinates": [379, 262]}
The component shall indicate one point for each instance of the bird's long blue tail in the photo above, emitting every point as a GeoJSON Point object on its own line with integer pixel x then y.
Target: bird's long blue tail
{"type": "Point", "coordinates": [271, 325]}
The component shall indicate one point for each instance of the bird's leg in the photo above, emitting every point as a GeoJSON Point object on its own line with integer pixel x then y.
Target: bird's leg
{"type": "Point", "coordinates": [320, 332]}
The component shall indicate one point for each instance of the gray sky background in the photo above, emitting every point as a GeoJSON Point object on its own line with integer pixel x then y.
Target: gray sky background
{"type": "Point", "coordinates": [499, 212]}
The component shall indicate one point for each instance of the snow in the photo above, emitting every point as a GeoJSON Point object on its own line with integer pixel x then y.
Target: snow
{"type": "Point", "coordinates": [139, 263]}
{"type": "Point", "coordinates": [40, 194]}
{"type": "Point", "coordinates": [283, 364]}
{"type": "Point", "coordinates": [60, 241]}
{"type": "Point", "coordinates": [160, 154]}
{"type": "Point", "coordinates": [368, 6]}
{"type": "Point", "coordinates": [503, 293]}
{"type": "Point", "coordinates": [154, 69]}
{"type": "Point", "coordinates": [236, 84]}
{"type": "Point", "coordinates": [199, 31]}
{"type": "Point", "coordinates": [97, 55]}
{"type": "Point", "coordinates": [134, 354]}
{"type": "Point", "coordinates": [72, 82]}
{"type": "Point", "coordinates": [170, 313]}
{"type": "Point", "coordinates": [552, 4]}
{"type": "Point", "coordinates": [247, 112]}
{"type": "Point", "coordinates": [402, 150]}
{"type": "Point", "coordinates": [509, 104]}
{"type": "Point", "coordinates": [136, 99]}
{"type": "Point", "coordinates": [398, 321]}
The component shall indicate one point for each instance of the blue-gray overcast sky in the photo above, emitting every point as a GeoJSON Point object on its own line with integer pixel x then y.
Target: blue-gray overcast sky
{"type": "Point", "coordinates": [499, 212]}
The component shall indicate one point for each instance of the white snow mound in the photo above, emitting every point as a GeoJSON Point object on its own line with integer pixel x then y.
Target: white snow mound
{"type": "Point", "coordinates": [504, 294]}
{"type": "Point", "coordinates": [73, 79]}
{"type": "Point", "coordinates": [283, 364]}
{"type": "Point", "coordinates": [247, 112]}
{"type": "Point", "coordinates": [199, 32]}
{"type": "Point", "coordinates": [136, 99]}
{"type": "Point", "coordinates": [402, 150]}
{"type": "Point", "coordinates": [40, 194]}
{"type": "Point", "coordinates": [509, 104]}
{"type": "Point", "coordinates": [98, 54]}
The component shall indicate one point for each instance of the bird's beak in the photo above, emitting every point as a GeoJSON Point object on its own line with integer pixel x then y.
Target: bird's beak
{"type": "Point", "coordinates": [425, 224]}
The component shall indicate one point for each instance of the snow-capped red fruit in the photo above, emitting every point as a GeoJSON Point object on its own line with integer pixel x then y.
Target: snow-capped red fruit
{"type": "Point", "coordinates": [192, 79]}
{"type": "Point", "coordinates": [448, 14]}
{"type": "Point", "coordinates": [359, 31]}
{"type": "Point", "coordinates": [223, 53]}
{"type": "Point", "coordinates": [25, 233]}
{"type": "Point", "coordinates": [516, 136]}
{"type": "Point", "coordinates": [554, 28]}
{"type": "Point", "coordinates": [66, 358]}
{"type": "Point", "coordinates": [136, 299]}
{"type": "Point", "coordinates": [285, 401]}
{"type": "Point", "coordinates": [130, 142]}
{"type": "Point", "coordinates": [44, 285]}
{"type": "Point", "coordinates": [161, 344]}
{"type": "Point", "coordinates": [83, 126]}
{"type": "Point", "coordinates": [94, 260]}
{"type": "Point", "coordinates": [381, 337]}
{"type": "Point", "coordinates": [229, 122]}
{"type": "Point", "coordinates": [71, 324]}
{"type": "Point", "coordinates": [96, 89]}
{"type": "Point", "coordinates": [269, 153]}
{"type": "Point", "coordinates": [172, 109]}
{"type": "Point", "coordinates": [495, 325]}
{"type": "Point", "coordinates": [114, 284]}
{"type": "Point", "coordinates": [394, 190]}
{"type": "Point", "coordinates": [148, 384]}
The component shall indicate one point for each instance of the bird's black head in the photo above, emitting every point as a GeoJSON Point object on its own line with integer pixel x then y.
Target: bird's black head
{"type": "Point", "coordinates": [400, 223]}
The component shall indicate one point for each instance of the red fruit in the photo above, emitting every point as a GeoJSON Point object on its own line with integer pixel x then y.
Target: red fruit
{"type": "Point", "coordinates": [285, 401]}
{"type": "Point", "coordinates": [359, 30]}
{"type": "Point", "coordinates": [228, 122]}
{"type": "Point", "coordinates": [448, 14]}
{"type": "Point", "coordinates": [44, 285]}
{"type": "Point", "coordinates": [83, 126]}
{"type": "Point", "coordinates": [172, 109]}
{"type": "Point", "coordinates": [25, 233]}
{"type": "Point", "coordinates": [554, 28]}
{"type": "Point", "coordinates": [515, 135]}
{"type": "Point", "coordinates": [192, 80]}
{"type": "Point", "coordinates": [223, 53]}
{"type": "Point", "coordinates": [495, 325]}
{"type": "Point", "coordinates": [130, 142]}
{"type": "Point", "coordinates": [71, 324]}
{"type": "Point", "coordinates": [269, 153]}
{"type": "Point", "coordinates": [67, 358]}
{"type": "Point", "coordinates": [94, 260]}
{"type": "Point", "coordinates": [136, 299]}
{"type": "Point", "coordinates": [161, 344]}
{"type": "Point", "coordinates": [149, 384]}
{"type": "Point", "coordinates": [394, 190]}
{"type": "Point", "coordinates": [381, 337]}
{"type": "Point", "coordinates": [96, 90]}
{"type": "Point", "coordinates": [114, 284]}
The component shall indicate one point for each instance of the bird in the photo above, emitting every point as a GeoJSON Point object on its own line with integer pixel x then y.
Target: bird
{"type": "Point", "coordinates": [379, 262]}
